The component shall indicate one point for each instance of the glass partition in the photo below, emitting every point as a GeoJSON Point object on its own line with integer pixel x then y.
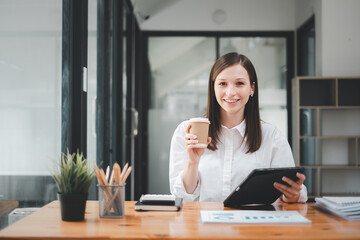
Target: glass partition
{"type": "Point", "coordinates": [180, 68]}
{"type": "Point", "coordinates": [30, 99]}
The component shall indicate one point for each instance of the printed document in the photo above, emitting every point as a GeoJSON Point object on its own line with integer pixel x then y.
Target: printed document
{"type": "Point", "coordinates": [250, 216]}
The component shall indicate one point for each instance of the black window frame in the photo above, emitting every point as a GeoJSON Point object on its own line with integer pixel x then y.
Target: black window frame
{"type": "Point", "coordinates": [74, 70]}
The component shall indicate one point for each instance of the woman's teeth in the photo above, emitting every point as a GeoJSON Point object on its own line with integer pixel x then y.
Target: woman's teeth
{"type": "Point", "coordinates": [231, 100]}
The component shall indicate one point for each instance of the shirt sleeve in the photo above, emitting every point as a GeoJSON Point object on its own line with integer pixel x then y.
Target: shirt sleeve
{"type": "Point", "coordinates": [178, 159]}
{"type": "Point", "coordinates": [281, 156]}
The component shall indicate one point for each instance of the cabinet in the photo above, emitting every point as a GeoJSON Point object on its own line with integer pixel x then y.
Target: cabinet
{"type": "Point", "coordinates": [326, 133]}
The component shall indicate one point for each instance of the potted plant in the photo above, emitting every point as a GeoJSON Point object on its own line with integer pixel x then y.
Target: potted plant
{"type": "Point", "coordinates": [73, 176]}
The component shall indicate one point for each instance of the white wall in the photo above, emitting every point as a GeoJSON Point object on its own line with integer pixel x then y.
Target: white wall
{"type": "Point", "coordinates": [340, 38]}
{"type": "Point", "coordinates": [241, 15]}
{"type": "Point", "coordinates": [305, 9]}
{"type": "Point", "coordinates": [337, 34]}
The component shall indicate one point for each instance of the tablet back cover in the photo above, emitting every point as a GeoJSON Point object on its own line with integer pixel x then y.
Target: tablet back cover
{"type": "Point", "coordinates": [258, 187]}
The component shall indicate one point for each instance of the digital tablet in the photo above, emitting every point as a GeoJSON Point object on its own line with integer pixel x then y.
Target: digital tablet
{"type": "Point", "coordinates": [258, 187]}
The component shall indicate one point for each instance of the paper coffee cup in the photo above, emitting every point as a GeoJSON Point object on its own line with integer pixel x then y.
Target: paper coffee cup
{"type": "Point", "coordinates": [200, 128]}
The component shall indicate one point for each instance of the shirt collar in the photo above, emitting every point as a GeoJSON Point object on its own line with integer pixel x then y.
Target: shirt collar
{"type": "Point", "coordinates": [240, 128]}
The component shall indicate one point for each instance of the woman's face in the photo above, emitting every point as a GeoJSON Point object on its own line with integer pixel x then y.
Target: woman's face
{"type": "Point", "coordinates": [233, 89]}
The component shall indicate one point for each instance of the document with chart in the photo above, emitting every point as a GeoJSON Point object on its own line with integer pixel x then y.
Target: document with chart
{"type": "Point", "coordinates": [250, 216]}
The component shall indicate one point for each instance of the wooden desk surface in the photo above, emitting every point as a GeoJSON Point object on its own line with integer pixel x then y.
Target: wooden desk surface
{"type": "Point", "coordinates": [186, 224]}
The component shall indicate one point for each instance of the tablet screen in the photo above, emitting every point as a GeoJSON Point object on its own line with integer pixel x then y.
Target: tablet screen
{"type": "Point", "coordinates": [258, 187]}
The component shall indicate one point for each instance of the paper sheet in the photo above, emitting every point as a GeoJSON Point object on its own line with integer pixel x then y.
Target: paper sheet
{"type": "Point", "coordinates": [250, 216]}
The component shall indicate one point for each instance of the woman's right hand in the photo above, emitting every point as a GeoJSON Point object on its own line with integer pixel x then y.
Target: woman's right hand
{"type": "Point", "coordinates": [191, 173]}
{"type": "Point", "coordinates": [193, 152]}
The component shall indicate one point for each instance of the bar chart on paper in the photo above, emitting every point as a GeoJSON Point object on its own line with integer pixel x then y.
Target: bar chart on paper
{"type": "Point", "coordinates": [260, 217]}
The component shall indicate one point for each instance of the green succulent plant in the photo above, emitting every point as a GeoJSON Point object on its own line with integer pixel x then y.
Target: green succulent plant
{"type": "Point", "coordinates": [73, 174]}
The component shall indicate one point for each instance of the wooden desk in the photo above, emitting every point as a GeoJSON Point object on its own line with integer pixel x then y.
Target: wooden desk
{"type": "Point", "coordinates": [186, 224]}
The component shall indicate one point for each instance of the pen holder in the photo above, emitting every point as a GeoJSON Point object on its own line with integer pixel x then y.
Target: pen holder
{"type": "Point", "coordinates": [111, 201]}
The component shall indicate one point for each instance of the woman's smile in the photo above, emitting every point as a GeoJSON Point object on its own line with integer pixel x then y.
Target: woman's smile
{"type": "Point", "coordinates": [231, 100]}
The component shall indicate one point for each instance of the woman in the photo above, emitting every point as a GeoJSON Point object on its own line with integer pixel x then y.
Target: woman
{"type": "Point", "coordinates": [238, 141]}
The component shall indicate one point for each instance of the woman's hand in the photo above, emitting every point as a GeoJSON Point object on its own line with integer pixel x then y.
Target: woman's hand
{"type": "Point", "coordinates": [292, 193]}
{"type": "Point", "coordinates": [191, 173]}
{"type": "Point", "coordinates": [193, 152]}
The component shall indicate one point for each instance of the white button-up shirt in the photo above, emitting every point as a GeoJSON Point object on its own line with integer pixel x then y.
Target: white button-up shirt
{"type": "Point", "coordinates": [221, 171]}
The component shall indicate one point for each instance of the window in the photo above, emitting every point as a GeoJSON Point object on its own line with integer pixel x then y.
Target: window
{"type": "Point", "coordinates": [30, 99]}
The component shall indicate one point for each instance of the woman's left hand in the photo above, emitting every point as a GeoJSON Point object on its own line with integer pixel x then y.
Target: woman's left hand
{"type": "Point", "coordinates": [292, 193]}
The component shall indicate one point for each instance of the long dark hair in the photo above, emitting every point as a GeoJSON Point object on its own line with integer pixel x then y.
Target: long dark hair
{"type": "Point", "coordinates": [251, 113]}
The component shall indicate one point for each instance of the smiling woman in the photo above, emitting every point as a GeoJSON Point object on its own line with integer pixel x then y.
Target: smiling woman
{"type": "Point", "coordinates": [239, 142]}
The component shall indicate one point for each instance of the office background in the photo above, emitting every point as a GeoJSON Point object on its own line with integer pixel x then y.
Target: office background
{"type": "Point", "coordinates": [147, 67]}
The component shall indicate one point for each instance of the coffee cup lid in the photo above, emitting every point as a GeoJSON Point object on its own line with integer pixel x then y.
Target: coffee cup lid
{"type": "Point", "coordinates": [199, 119]}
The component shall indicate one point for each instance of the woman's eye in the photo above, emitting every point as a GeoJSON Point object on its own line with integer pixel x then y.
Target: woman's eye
{"type": "Point", "coordinates": [222, 84]}
{"type": "Point", "coordinates": [239, 83]}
